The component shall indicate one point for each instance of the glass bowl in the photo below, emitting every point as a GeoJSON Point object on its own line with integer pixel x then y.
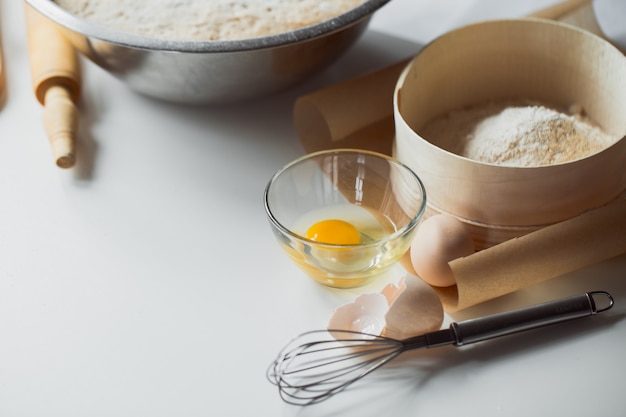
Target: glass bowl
{"type": "Point", "coordinates": [317, 203]}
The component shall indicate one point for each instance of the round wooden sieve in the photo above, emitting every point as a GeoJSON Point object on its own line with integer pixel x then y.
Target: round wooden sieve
{"type": "Point", "coordinates": [533, 59]}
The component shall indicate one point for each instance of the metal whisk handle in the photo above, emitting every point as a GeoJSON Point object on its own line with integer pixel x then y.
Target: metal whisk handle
{"type": "Point", "coordinates": [501, 324]}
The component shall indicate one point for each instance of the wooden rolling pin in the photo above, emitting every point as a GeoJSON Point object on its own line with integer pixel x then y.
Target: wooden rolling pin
{"type": "Point", "coordinates": [547, 253]}
{"type": "Point", "coordinates": [2, 77]}
{"type": "Point", "coordinates": [56, 82]}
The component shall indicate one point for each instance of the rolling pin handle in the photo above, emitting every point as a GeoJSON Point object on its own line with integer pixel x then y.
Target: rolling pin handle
{"type": "Point", "coordinates": [60, 118]}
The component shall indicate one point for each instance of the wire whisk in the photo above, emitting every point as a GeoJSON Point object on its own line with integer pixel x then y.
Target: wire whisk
{"type": "Point", "coordinates": [319, 364]}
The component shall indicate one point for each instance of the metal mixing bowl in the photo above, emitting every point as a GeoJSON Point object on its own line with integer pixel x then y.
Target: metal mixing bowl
{"type": "Point", "coordinates": [204, 72]}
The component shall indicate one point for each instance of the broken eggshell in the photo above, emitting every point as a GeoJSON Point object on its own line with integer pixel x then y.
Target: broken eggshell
{"type": "Point", "coordinates": [366, 314]}
{"type": "Point", "coordinates": [408, 309]}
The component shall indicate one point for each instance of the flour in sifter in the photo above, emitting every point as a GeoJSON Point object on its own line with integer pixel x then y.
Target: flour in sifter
{"type": "Point", "coordinates": [517, 134]}
{"type": "Point", "coordinates": [206, 19]}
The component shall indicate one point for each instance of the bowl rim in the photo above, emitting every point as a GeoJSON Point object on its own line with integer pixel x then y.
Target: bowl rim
{"type": "Point", "coordinates": [60, 16]}
{"type": "Point", "coordinates": [407, 228]}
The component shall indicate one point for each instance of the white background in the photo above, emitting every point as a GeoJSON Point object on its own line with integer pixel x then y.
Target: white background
{"type": "Point", "coordinates": [146, 281]}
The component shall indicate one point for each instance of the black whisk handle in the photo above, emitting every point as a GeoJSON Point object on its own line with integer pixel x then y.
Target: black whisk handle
{"type": "Point", "coordinates": [501, 324]}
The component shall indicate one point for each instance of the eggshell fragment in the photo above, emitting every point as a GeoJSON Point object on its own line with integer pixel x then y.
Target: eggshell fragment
{"type": "Point", "coordinates": [408, 309]}
{"type": "Point", "coordinates": [415, 310]}
{"type": "Point", "coordinates": [439, 239]}
{"type": "Point", "coordinates": [366, 314]}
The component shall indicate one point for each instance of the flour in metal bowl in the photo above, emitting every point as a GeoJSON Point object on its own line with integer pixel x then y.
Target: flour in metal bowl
{"type": "Point", "coordinates": [206, 20]}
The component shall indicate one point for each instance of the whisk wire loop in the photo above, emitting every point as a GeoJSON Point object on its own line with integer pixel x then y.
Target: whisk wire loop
{"type": "Point", "coordinates": [315, 370]}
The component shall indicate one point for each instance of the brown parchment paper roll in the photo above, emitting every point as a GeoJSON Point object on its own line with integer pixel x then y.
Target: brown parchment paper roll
{"type": "Point", "coordinates": [358, 113]}
{"type": "Point", "coordinates": [353, 114]}
{"type": "Point", "coordinates": [574, 12]}
{"type": "Point", "coordinates": [552, 251]}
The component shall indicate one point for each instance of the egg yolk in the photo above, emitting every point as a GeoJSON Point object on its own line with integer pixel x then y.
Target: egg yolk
{"type": "Point", "coordinates": [334, 232]}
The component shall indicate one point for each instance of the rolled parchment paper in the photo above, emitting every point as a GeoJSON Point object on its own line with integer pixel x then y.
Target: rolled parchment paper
{"type": "Point", "coordinates": [552, 251]}
{"type": "Point", "coordinates": [354, 114]}
{"type": "Point", "coordinates": [358, 113]}
{"type": "Point", "coordinates": [56, 84]}
{"type": "Point", "coordinates": [574, 12]}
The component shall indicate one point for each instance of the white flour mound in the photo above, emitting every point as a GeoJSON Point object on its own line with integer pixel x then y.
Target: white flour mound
{"type": "Point", "coordinates": [517, 135]}
{"type": "Point", "coordinates": [206, 19]}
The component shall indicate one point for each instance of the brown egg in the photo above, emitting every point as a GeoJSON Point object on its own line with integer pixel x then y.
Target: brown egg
{"type": "Point", "coordinates": [439, 240]}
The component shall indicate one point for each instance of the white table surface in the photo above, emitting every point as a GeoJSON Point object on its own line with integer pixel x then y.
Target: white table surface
{"type": "Point", "coordinates": [146, 281]}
